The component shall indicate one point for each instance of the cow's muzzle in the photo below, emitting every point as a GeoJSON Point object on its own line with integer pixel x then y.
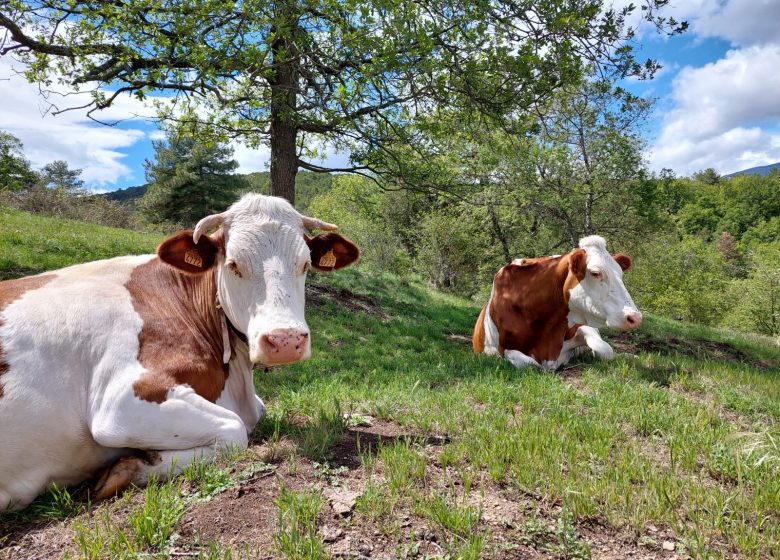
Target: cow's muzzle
{"type": "Point", "coordinates": [631, 320]}
{"type": "Point", "coordinates": [282, 346]}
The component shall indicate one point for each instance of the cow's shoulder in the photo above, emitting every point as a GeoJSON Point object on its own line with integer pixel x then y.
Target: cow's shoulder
{"type": "Point", "coordinates": [181, 339]}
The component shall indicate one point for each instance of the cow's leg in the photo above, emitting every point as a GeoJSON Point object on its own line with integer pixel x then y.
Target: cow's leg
{"type": "Point", "coordinates": [183, 428]}
{"type": "Point", "coordinates": [590, 337]}
{"type": "Point", "coordinates": [519, 360]}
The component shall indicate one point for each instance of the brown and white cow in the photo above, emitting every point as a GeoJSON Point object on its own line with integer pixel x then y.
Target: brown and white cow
{"type": "Point", "coordinates": [543, 310]}
{"type": "Point", "coordinates": [144, 363]}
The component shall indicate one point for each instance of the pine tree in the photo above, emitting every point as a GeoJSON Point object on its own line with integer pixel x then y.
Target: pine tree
{"type": "Point", "coordinates": [189, 180]}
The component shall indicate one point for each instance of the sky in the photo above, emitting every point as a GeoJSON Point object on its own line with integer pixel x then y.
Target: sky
{"type": "Point", "coordinates": [717, 104]}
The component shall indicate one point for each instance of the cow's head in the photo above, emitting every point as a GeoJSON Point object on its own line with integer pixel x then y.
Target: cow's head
{"type": "Point", "coordinates": [262, 255]}
{"type": "Point", "coordinates": [597, 295]}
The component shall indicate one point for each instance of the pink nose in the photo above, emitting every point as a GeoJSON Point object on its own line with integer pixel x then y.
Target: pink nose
{"type": "Point", "coordinates": [283, 346]}
{"type": "Point", "coordinates": [632, 321]}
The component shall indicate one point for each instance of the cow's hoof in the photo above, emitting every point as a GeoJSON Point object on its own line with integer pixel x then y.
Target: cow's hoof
{"type": "Point", "coordinates": [118, 477]}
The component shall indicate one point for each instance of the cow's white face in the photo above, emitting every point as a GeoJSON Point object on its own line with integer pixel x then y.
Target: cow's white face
{"type": "Point", "coordinates": [600, 299]}
{"type": "Point", "coordinates": [261, 279]}
{"type": "Point", "coordinates": [261, 257]}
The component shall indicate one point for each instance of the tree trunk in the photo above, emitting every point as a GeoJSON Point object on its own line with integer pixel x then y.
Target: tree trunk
{"type": "Point", "coordinates": [284, 90]}
{"type": "Point", "coordinates": [499, 233]}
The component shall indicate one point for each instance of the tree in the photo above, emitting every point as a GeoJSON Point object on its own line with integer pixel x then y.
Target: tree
{"type": "Point", "coordinates": [15, 172]}
{"type": "Point", "coordinates": [189, 180]}
{"type": "Point", "coordinates": [300, 75]}
{"type": "Point", "coordinates": [57, 175]}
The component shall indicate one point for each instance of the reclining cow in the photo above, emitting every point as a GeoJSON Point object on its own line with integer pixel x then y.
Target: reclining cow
{"type": "Point", "coordinates": [543, 310]}
{"type": "Point", "coordinates": [143, 364]}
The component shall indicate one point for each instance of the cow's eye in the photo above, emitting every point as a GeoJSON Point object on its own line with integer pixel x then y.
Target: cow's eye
{"type": "Point", "coordinates": [234, 268]}
{"type": "Point", "coordinates": [596, 274]}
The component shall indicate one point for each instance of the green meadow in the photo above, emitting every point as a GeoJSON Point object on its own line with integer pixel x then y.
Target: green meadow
{"type": "Point", "coordinates": [395, 441]}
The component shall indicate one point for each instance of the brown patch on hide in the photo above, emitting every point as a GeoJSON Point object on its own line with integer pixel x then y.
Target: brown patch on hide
{"type": "Point", "coordinates": [10, 291]}
{"type": "Point", "coordinates": [478, 338]}
{"type": "Point", "coordinates": [530, 305]}
{"type": "Point", "coordinates": [180, 342]}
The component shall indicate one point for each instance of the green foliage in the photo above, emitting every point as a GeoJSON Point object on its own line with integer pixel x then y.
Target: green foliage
{"type": "Point", "coordinates": [684, 280]}
{"type": "Point", "coordinates": [15, 171]}
{"type": "Point", "coordinates": [348, 75]}
{"type": "Point", "coordinates": [189, 179]}
{"type": "Point", "coordinates": [59, 191]}
{"type": "Point", "coordinates": [30, 244]}
{"type": "Point", "coordinates": [757, 297]}
{"type": "Point", "coordinates": [207, 478]}
{"type": "Point", "coordinates": [308, 186]}
{"type": "Point", "coordinates": [446, 251]}
{"type": "Point", "coordinates": [153, 523]}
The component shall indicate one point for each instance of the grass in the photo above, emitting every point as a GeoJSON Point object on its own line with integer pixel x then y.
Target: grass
{"type": "Point", "coordinates": [31, 244]}
{"type": "Point", "coordinates": [682, 434]}
{"type": "Point", "coordinates": [297, 537]}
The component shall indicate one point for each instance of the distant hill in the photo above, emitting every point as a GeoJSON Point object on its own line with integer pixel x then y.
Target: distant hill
{"type": "Point", "coordinates": [308, 185]}
{"type": "Point", "coordinates": [761, 170]}
{"type": "Point", "coordinates": [127, 195]}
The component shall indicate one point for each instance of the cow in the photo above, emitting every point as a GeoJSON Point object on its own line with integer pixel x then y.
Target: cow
{"type": "Point", "coordinates": [136, 366]}
{"type": "Point", "coordinates": [544, 310]}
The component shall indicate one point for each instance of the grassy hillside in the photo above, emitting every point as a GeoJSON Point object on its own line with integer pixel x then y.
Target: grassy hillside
{"type": "Point", "coordinates": [394, 440]}
{"type": "Point", "coordinates": [30, 244]}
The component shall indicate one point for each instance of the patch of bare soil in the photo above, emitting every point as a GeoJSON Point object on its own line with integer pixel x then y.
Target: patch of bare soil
{"type": "Point", "coordinates": [318, 294]}
{"type": "Point", "coordinates": [635, 342]}
{"type": "Point", "coordinates": [38, 539]}
{"type": "Point", "coordinates": [244, 517]}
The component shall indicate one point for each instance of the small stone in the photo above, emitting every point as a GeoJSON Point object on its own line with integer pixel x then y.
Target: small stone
{"type": "Point", "coordinates": [365, 548]}
{"type": "Point", "coordinates": [342, 501]}
{"type": "Point", "coordinates": [652, 528]}
{"type": "Point", "coordinates": [668, 545]}
{"type": "Point", "coordinates": [331, 534]}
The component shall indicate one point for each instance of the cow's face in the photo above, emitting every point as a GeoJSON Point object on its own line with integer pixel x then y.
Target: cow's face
{"type": "Point", "coordinates": [262, 257]}
{"type": "Point", "coordinates": [597, 295]}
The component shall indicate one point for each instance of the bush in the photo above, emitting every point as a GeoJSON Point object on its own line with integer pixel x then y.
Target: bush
{"type": "Point", "coordinates": [684, 280]}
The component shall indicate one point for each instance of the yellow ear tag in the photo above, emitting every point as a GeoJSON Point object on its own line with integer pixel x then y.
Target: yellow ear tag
{"type": "Point", "coordinates": [328, 260]}
{"type": "Point", "coordinates": [192, 257]}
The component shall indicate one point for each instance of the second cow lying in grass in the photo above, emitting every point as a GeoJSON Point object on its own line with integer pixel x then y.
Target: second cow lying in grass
{"type": "Point", "coordinates": [543, 310]}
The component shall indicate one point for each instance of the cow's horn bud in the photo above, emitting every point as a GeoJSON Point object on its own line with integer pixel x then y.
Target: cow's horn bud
{"type": "Point", "coordinates": [314, 223]}
{"type": "Point", "coordinates": [207, 223]}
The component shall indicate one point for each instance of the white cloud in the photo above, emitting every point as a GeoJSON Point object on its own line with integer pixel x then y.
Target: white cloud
{"type": "Point", "coordinates": [70, 136]}
{"type": "Point", "coordinates": [743, 22]}
{"type": "Point", "coordinates": [722, 113]}
{"type": "Point", "coordinates": [251, 160]}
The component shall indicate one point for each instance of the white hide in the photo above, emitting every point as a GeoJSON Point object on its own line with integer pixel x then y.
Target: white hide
{"type": "Point", "coordinates": [68, 407]}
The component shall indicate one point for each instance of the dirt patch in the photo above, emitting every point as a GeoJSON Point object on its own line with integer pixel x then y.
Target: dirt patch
{"type": "Point", "coordinates": [318, 294]}
{"type": "Point", "coordinates": [635, 342]}
{"type": "Point", "coordinates": [244, 517]}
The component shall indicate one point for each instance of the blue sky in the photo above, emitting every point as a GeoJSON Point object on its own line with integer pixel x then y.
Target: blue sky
{"type": "Point", "coordinates": [718, 104]}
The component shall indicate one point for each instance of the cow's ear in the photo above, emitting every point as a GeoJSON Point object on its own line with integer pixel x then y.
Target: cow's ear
{"type": "Point", "coordinates": [183, 254]}
{"type": "Point", "coordinates": [578, 263]}
{"type": "Point", "coordinates": [331, 251]}
{"type": "Point", "coordinates": [623, 260]}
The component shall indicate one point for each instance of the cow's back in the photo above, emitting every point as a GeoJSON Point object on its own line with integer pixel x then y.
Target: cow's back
{"type": "Point", "coordinates": [65, 336]}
